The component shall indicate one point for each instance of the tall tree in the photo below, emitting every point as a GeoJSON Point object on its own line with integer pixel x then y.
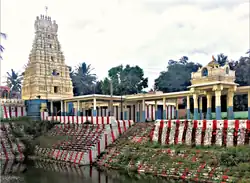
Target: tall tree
{"type": "Point", "coordinates": [84, 81]}
{"type": "Point", "coordinates": [178, 75]}
{"type": "Point", "coordinates": [125, 80]}
{"type": "Point", "coordinates": [14, 81]}
{"type": "Point", "coordinates": [242, 77]}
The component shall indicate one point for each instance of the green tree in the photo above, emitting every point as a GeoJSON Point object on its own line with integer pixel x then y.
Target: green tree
{"type": "Point", "coordinates": [125, 80]}
{"type": "Point", "coordinates": [222, 59]}
{"type": "Point", "coordinates": [178, 75]}
{"type": "Point", "coordinates": [83, 79]}
{"type": "Point", "coordinates": [14, 81]}
{"type": "Point", "coordinates": [3, 35]}
{"type": "Point", "coordinates": [242, 77]}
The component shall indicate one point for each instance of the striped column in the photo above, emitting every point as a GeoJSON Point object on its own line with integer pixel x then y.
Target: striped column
{"type": "Point", "coordinates": [230, 106]}
{"type": "Point", "coordinates": [164, 108]}
{"type": "Point", "coordinates": [200, 106]}
{"type": "Point", "coordinates": [195, 97]}
{"type": "Point", "coordinates": [188, 107]}
{"type": "Point", "coordinates": [218, 104]}
{"type": "Point", "coordinates": [209, 106]}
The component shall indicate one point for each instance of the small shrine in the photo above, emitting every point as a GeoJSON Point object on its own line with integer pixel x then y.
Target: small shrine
{"type": "Point", "coordinates": [211, 80]}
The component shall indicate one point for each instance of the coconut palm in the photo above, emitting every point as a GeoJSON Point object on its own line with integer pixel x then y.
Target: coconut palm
{"type": "Point", "coordinates": [84, 81]}
{"type": "Point", "coordinates": [14, 81]}
{"type": "Point", "coordinates": [222, 59]}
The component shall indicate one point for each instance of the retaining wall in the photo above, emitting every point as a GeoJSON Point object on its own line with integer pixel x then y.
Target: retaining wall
{"type": "Point", "coordinates": [14, 111]}
{"type": "Point", "coordinates": [104, 135]}
{"type": "Point", "coordinates": [11, 147]}
{"type": "Point", "coordinates": [202, 132]}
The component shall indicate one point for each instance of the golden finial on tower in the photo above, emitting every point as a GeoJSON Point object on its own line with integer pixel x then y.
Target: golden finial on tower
{"type": "Point", "coordinates": [213, 62]}
{"type": "Point", "coordinates": [213, 59]}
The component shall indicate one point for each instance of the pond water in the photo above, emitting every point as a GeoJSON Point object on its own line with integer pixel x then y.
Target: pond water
{"type": "Point", "coordinates": [43, 172]}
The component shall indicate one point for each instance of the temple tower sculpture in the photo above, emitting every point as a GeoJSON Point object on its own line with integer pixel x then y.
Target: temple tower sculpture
{"type": "Point", "coordinates": [46, 76]}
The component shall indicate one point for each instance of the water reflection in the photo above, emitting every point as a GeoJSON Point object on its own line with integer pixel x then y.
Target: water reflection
{"type": "Point", "coordinates": [44, 172]}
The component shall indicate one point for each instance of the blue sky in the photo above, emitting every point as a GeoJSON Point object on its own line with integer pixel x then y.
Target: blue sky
{"type": "Point", "coordinates": [106, 33]}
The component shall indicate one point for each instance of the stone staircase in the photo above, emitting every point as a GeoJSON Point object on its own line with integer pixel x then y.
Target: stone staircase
{"type": "Point", "coordinates": [139, 133]}
{"type": "Point", "coordinates": [11, 147]}
{"type": "Point", "coordinates": [80, 143]}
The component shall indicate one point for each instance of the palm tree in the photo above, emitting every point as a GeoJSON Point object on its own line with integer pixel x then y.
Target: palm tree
{"type": "Point", "coordinates": [84, 81]}
{"type": "Point", "coordinates": [3, 35]}
{"type": "Point", "coordinates": [14, 81]}
{"type": "Point", "coordinates": [221, 59]}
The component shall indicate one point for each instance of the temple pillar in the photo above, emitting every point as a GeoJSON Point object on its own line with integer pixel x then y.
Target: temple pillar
{"type": "Point", "coordinates": [74, 108]}
{"type": "Point", "coordinates": [218, 104]}
{"type": "Point", "coordinates": [248, 96]}
{"type": "Point", "coordinates": [188, 107]}
{"type": "Point", "coordinates": [137, 112]}
{"type": "Point", "coordinates": [200, 106]}
{"type": "Point", "coordinates": [143, 113]}
{"type": "Point", "coordinates": [51, 108]}
{"type": "Point", "coordinates": [65, 109]}
{"type": "Point", "coordinates": [209, 106]}
{"type": "Point", "coordinates": [176, 109]}
{"type": "Point", "coordinates": [125, 111]}
{"type": "Point", "coordinates": [94, 112]}
{"type": "Point", "coordinates": [83, 109]}
{"type": "Point", "coordinates": [78, 108]}
{"type": "Point", "coordinates": [156, 110]}
{"type": "Point", "coordinates": [195, 97]}
{"type": "Point", "coordinates": [164, 108]}
{"type": "Point", "coordinates": [230, 106]}
{"type": "Point", "coordinates": [62, 111]}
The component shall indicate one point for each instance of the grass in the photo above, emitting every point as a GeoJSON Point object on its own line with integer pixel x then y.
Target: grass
{"type": "Point", "coordinates": [233, 161]}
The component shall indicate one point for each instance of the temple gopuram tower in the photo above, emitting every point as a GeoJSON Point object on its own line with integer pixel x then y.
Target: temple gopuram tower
{"type": "Point", "coordinates": [46, 76]}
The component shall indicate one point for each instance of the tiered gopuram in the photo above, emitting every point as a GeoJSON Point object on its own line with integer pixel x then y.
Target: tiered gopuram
{"type": "Point", "coordinates": [46, 75]}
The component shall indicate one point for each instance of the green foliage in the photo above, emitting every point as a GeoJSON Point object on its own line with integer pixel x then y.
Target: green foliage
{"type": "Point", "coordinates": [125, 80]}
{"type": "Point", "coordinates": [14, 81]}
{"type": "Point", "coordinates": [177, 77]}
{"type": "Point", "coordinates": [84, 81]}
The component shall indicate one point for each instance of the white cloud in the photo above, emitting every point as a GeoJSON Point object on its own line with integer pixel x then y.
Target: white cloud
{"type": "Point", "coordinates": [144, 32]}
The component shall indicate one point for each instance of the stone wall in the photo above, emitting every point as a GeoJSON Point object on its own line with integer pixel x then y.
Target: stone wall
{"type": "Point", "coordinates": [133, 151]}
{"type": "Point", "coordinates": [11, 147]}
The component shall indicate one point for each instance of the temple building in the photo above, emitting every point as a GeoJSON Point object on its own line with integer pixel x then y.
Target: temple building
{"type": "Point", "coordinates": [208, 85]}
{"type": "Point", "coordinates": [46, 76]}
